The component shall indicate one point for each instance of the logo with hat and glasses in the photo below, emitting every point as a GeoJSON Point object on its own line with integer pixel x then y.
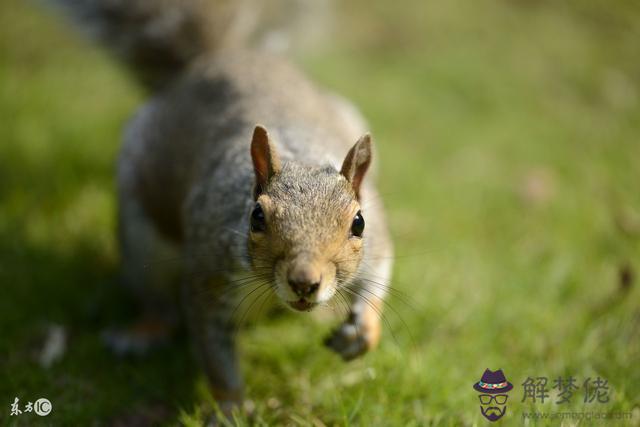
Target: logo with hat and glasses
{"type": "Point", "coordinates": [493, 388]}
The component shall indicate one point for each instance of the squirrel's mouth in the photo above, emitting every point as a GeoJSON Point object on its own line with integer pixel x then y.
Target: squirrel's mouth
{"type": "Point", "coordinates": [302, 305]}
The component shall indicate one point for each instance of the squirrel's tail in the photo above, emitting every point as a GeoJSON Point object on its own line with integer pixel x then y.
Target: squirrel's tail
{"type": "Point", "coordinates": [157, 39]}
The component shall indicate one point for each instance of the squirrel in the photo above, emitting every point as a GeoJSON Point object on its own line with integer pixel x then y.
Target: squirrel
{"type": "Point", "coordinates": [239, 165]}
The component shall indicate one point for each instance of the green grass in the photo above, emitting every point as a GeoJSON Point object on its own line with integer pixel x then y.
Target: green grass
{"type": "Point", "coordinates": [508, 135]}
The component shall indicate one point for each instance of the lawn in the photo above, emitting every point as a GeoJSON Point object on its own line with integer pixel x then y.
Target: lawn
{"type": "Point", "coordinates": [508, 135]}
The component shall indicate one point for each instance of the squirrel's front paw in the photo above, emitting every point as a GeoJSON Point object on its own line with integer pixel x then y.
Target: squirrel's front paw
{"type": "Point", "coordinates": [354, 337]}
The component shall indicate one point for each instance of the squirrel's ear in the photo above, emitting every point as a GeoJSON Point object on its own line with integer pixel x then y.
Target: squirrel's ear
{"type": "Point", "coordinates": [357, 162]}
{"type": "Point", "coordinates": [265, 159]}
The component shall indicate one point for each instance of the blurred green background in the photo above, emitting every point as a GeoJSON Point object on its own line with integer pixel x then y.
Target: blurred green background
{"type": "Point", "coordinates": [508, 139]}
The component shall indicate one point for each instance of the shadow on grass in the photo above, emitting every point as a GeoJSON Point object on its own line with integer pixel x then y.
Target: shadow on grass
{"type": "Point", "coordinates": [80, 293]}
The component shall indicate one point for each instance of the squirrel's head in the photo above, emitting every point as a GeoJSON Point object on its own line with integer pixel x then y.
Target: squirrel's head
{"type": "Point", "coordinates": [306, 226]}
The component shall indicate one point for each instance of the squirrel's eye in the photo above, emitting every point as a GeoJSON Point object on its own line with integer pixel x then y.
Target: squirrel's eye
{"type": "Point", "coordinates": [258, 223]}
{"type": "Point", "coordinates": [357, 226]}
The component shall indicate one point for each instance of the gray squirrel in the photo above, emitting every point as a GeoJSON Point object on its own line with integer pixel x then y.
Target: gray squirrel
{"type": "Point", "coordinates": [244, 171]}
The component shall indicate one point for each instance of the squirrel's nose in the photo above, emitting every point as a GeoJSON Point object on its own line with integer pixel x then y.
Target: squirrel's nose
{"type": "Point", "coordinates": [304, 281]}
{"type": "Point", "coordinates": [304, 289]}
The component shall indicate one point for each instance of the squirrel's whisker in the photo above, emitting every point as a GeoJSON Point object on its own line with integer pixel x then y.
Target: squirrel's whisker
{"type": "Point", "coordinates": [387, 304]}
{"type": "Point", "coordinates": [342, 303]}
{"type": "Point", "coordinates": [348, 312]}
{"type": "Point", "coordinates": [234, 284]}
{"type": "Point", "coordinates": [269, 288]}
{"type": "Point", "coordinates": [239, 233]}
{"type": "Point", "coordinates": [374, 308]}
{"type": "Point", "coordinates": [265, 299]}
{"type": "Point", "coordinates": [260, 286]}
{"type": "Point", "coordinates": [403, 297]}
{"type": "Point", "coordinates": [217, 293]}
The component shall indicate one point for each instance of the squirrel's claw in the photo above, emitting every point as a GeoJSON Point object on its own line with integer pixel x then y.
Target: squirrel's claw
{"type": "Point", "coordinates": [350, 340]}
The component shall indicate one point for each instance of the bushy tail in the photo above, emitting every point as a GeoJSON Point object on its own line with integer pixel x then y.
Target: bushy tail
{"type": "Point", "coordinates": [157, 39]}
